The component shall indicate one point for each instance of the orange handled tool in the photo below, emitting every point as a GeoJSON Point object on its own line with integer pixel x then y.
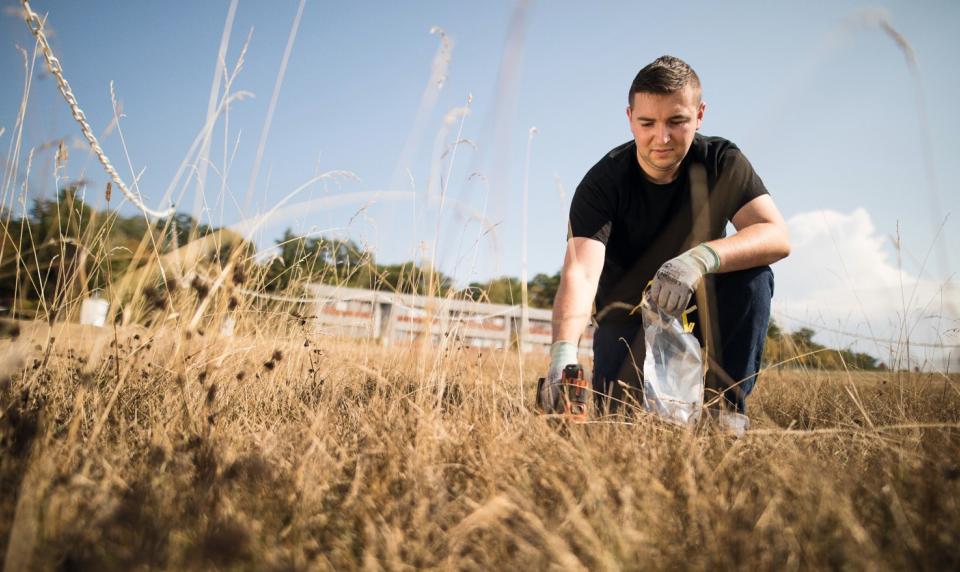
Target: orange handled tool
{"type": "Point", "coordinates": [573, 393]}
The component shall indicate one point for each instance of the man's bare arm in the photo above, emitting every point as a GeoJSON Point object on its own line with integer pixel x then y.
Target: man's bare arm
{"type": "Point", "coordinates": [579, 278]}
{"type": "Point", "coordinates": [761, 238]}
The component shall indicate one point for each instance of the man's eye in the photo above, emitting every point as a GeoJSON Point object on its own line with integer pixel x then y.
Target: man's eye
{"type": "Point", "coordinates": [646, 124]}
{"type": "Point", "coordinates": [678, 121]}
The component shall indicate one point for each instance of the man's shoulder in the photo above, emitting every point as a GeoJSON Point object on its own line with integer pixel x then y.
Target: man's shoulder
{"type": "Point", "coordinates": [624, 150]}
{"type": "Point", "coordinates": [712, 147]}
{"type": "Point", "coordinates": [613, 162]}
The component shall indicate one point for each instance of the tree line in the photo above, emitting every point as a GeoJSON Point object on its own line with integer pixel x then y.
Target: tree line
{"type": "Point", "coordinates": [64, 241]}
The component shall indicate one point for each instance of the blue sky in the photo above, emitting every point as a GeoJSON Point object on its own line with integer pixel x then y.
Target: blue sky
{"type": "Point", "coordinates": [816, 94]}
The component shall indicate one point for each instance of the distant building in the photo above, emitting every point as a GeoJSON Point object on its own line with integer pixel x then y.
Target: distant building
{"type": "Point", "coordinates": [404, 318]}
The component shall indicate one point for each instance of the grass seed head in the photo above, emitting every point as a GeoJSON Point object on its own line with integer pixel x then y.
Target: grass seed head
{"type": "Point", "coordinates": [62, 155]}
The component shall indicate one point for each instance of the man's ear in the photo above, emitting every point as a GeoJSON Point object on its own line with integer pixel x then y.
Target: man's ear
{"type": "Point", "coordinates": [629, 118]}
{"type": "Point", "coordinates": [700, 111]}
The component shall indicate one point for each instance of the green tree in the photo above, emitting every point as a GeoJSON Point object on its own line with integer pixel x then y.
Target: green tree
{"type": "Point", "coordinates": [804, 338]}
{"type": "Point", "coordinates": [327, 260]}
{"type": "Point", "coordinates": [64, 247]}
{"type": "Point", "coordinates": [773, 329]}
{"type": "Point", "coordinates": [409, 278]}
{"type": "Point", "coordinates": [503, 290]}
{"type": "Point", "coordinates": [542, 290]}
{"type": "Point", "coordinates": [178, 230]}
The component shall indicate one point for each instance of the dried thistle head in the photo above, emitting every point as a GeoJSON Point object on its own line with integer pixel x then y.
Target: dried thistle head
{"type": "Point", "coordinates": [239, 274]}
{"type": "Point", "coordinates": [226, 542]}
{"type": "Point", "coordinates": [109, 190]}
{"type": "Point", "coordinates": [157, 455]}
{"type": "Point", "coordinates": [9, 329]}
{"type": "Point", "coordinates": [87, 379]}
{"type": "Point", "coordinates": [200, 287]}
{"type": "Point", "coordinates": [277, 355]}
{"type": "Point", "coordinates": [155, 298]}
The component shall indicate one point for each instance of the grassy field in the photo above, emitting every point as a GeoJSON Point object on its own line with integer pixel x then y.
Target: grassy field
{"type": "Point", "coordinates": [169, 446]}
{"type": "Point", "coordinates": [137, 448]}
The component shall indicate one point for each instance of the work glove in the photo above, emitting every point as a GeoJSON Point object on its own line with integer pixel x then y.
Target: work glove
{"type": "Point", "coordinates": [678, 277]}
{"type": "Point", "coordinates": [550, 397]}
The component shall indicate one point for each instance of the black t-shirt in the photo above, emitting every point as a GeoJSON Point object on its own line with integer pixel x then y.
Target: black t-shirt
{"type": "Point", "coordinates": [644, 224]}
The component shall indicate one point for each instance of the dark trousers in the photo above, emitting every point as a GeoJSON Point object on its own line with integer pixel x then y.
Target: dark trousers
{"type": "Point", "coordinates": [739, 304]}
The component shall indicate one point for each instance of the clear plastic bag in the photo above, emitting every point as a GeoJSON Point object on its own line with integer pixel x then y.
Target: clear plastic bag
{"type": "Point", "coordinates": [672, 368]}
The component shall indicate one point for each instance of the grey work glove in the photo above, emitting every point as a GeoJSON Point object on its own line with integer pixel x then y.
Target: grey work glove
{"type": "Point", "coordinates": [550, 397]}
{"type": "Point", "coordinates": [678, 277]}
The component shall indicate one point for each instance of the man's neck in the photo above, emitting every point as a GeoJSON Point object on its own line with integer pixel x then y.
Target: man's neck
{"type": "Point", "coordinates": [658, 178]}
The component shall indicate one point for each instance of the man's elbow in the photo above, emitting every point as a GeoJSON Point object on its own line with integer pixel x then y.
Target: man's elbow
{"type": "Point", "coordinates": [571, 280]}
{"type": "Point", "coordinates": [578, 276]}
{"type": "Point", "coordinates": [583, 263]}
{"type": "Point", "coordinates": [781, 246]}
{"type": "Point", "coordinates": [782, 252]}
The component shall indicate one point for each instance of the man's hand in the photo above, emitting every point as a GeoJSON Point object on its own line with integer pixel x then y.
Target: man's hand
{"type": "Point", "coordinates": [676, 279]}
{"type": "Point", "coordinates": [550, 397]}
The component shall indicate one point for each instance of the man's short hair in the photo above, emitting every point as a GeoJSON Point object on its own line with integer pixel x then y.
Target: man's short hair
{"type": "Point", "coordinates": [663, 76]}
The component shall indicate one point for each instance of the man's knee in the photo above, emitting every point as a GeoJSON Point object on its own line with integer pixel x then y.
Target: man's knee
{"type": "Point", "coordinates": [743, 300]}
{"type": "Point", "coordinates": [752, 283]}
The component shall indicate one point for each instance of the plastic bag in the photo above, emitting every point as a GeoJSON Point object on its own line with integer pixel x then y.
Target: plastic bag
{"type": "Point", "coordinates": [672, 368]}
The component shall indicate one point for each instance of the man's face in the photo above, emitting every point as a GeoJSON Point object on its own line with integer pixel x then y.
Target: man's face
{"type": "Point", "coordinates": [663, 127]}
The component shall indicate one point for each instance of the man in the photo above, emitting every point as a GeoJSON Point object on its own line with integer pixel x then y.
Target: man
{"type": "Point", "coordinates": [655, 209]}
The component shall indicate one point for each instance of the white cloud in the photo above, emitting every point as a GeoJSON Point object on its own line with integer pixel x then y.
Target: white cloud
{"type": "Point", "coordinates": [843, 275]}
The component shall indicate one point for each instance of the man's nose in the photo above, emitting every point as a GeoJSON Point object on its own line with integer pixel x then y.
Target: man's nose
{"type": "Point", "coordinates": [663, 134]}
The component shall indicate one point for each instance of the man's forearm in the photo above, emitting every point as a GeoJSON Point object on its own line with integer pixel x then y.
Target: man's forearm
{"type": "Point", "coordinates": [571, 308]}
{"type": "Point", "coordinates": [756, 245]}
{"type": "Point", "coordinates": [582, 266]}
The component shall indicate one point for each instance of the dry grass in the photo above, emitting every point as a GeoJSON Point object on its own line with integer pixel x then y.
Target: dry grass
{"type": "Point", "coordinates": [309, 453]}
{"type": "Point", "coordinates": [170, 447]}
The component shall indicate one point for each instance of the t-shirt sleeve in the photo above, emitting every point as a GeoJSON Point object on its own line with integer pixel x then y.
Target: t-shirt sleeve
{"type": "Point", "coordinates": [591, 211]}
{"type": "Point", "coordinates": [738, 183]}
